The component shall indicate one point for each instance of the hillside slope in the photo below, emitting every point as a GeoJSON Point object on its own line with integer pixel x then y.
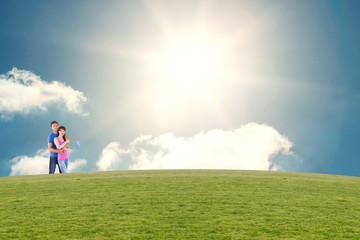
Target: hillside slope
{"type": "Point", "coordinates": [180, 204]}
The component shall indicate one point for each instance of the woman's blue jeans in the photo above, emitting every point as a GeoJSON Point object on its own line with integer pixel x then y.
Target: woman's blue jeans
{"type": "Point", "coordinates": [63, 164]}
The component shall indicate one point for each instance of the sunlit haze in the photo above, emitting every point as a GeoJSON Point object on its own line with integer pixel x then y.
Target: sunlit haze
{"type": "Point", "coordinates": [248, 85]}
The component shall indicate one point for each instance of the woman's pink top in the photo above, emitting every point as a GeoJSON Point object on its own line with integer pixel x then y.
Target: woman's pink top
{"type": "Point", "coordinates": [65, 155]}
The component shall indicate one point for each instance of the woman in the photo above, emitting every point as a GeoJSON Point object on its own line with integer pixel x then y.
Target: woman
{"type": "Point", "coordinates": [62, 142]}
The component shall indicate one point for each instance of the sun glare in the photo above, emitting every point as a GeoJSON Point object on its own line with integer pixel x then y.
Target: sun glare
{"type": "Point", "coordinates": [187, 64]}
{"type": "Point", "coordinates": [187, 73]}
{"type": "Point", "coordinates": [190, 66]}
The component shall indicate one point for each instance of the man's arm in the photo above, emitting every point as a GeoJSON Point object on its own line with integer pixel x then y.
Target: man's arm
{"type": "Point", "coordinates": [51, 149]}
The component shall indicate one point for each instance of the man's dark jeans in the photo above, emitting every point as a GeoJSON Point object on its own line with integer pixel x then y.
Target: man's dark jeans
{"type": "Point", "coordinates": [52, 165]}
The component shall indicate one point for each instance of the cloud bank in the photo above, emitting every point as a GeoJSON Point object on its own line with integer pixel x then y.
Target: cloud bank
{"type": "Point", "coordinates": [250, 147]}
{"type": "Point", "coordinates": [39, 164]}
{"type": "Point", "coordinates": [22, 91]}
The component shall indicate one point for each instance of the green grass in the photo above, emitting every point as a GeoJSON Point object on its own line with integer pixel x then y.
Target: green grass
{"type": "Point", "coordinates": [181, 204]}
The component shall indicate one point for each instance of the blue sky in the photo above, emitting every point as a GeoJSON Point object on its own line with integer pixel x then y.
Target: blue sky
{"type": "Point", "coordinates": [253, 85]}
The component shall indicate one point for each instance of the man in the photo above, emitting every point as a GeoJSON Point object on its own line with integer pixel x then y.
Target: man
{"type": "Point", "coordinates": [52, 148]}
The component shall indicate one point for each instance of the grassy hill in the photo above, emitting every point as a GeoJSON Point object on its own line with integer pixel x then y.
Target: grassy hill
{"type": "Point", "coordinates": [180, 204]}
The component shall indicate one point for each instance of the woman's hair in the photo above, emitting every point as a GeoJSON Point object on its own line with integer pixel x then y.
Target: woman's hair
{"type": "Point", "coordinates": [62, 128]}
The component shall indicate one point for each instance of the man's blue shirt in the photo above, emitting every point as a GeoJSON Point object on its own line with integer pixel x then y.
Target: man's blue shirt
{"type": "Point", "coordinates": [51, 140]}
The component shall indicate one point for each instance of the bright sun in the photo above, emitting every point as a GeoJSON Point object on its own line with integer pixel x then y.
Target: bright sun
{"type": "Point", "coordinates": [190, 68]}
{"type": "Point", "coordinates": [188, 64]}
{"type": "Point", "coordinates": [187, 72]}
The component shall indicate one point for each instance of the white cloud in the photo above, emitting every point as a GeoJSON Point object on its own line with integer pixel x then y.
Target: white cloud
{"type": "Point", "coordinates": [250, 147]}
{"type": "Point", "coordinates": [110, 157]}
{"type": "Point", "coordinates": [38, 164]}
{"type": "Point", "coordinates": [22, 91]}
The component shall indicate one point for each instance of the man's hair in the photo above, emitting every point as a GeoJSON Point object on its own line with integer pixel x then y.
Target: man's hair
{"type": "Point", "coordinates": [53, 123]}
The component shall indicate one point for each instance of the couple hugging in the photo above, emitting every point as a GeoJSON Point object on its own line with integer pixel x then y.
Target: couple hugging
{"type": "Point", "coordinates": [58, 146]}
